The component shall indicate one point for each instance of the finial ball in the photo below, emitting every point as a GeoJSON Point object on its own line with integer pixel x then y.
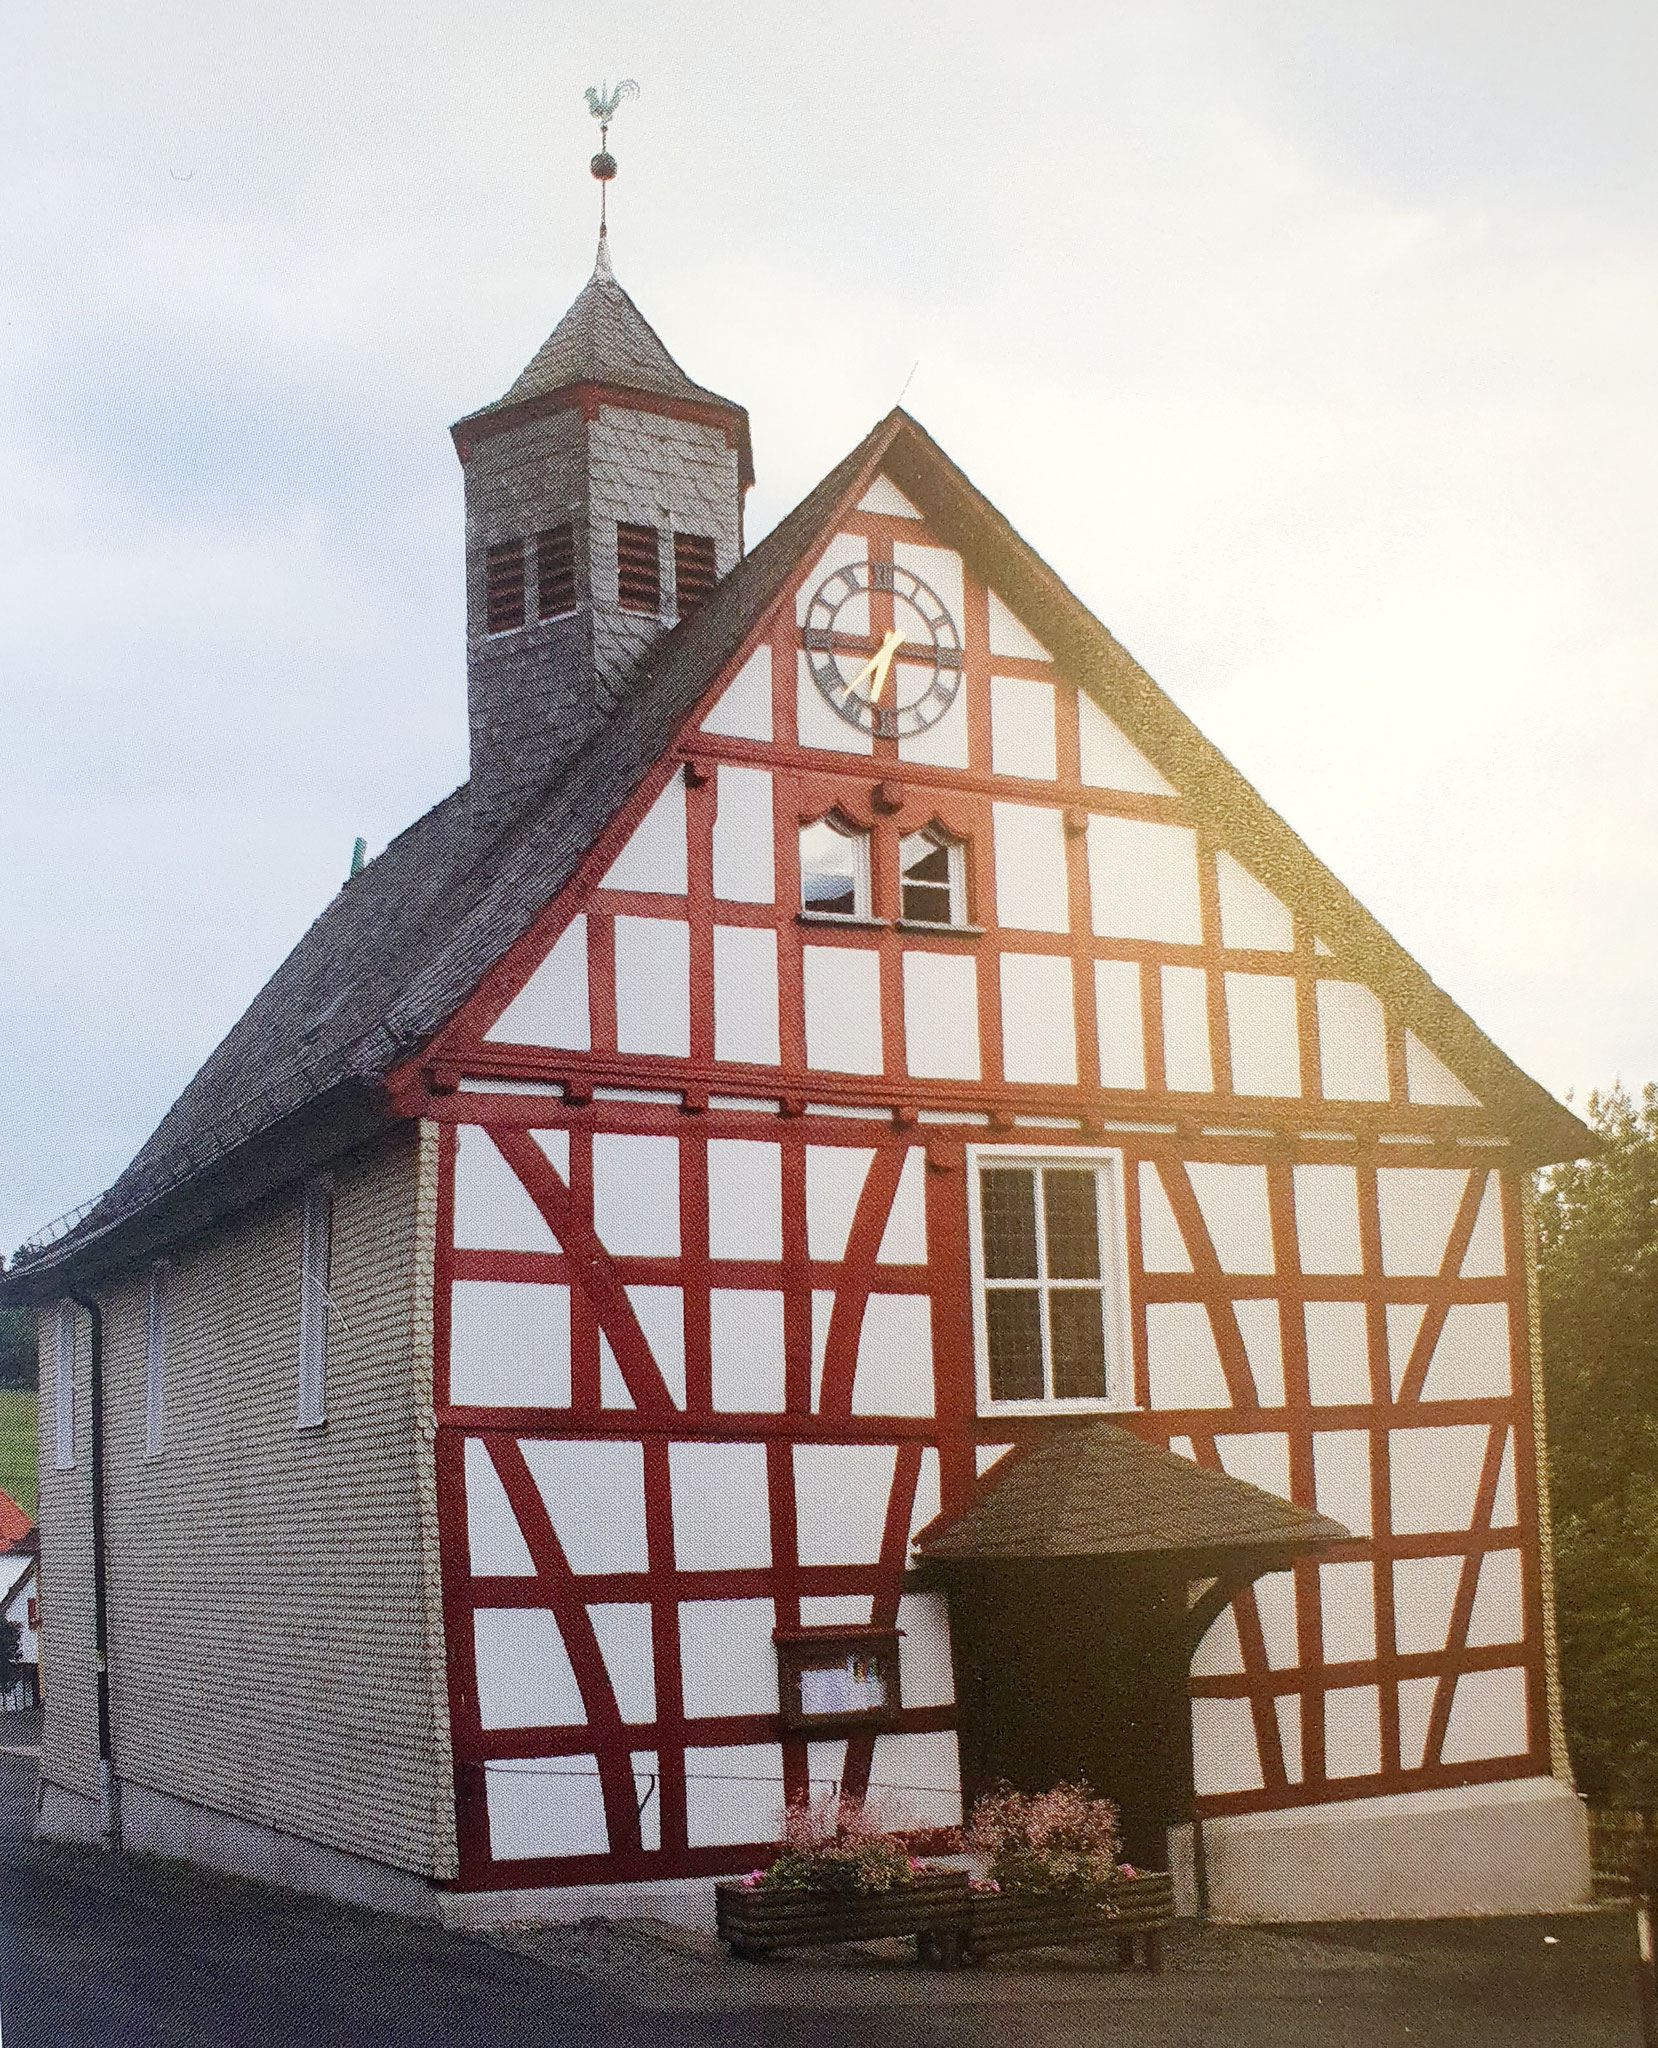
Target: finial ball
{"type": "Point", "coordinates": [603, 167]}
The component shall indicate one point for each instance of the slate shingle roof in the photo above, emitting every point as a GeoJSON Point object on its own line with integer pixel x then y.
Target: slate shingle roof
{"type": "Point", "coordinates": [1097, 1491]}
{"type": "Point", "coordinates": [405, 942]}
{"type": "Point", "coordinates": [604, 339]}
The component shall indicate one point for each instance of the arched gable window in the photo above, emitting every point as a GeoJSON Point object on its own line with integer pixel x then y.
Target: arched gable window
{"type": "Point", "coordinates": [834, 869]}
{"type": "Point", "coordinates": [932, 870]}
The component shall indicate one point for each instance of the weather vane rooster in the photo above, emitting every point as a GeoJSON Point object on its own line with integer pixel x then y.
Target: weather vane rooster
{"type": "Point", "coordinates": [602, 102]}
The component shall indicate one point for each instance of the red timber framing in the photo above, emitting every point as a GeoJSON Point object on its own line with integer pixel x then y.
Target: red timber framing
{"type": "Point", "coordinates": [465, 1078]}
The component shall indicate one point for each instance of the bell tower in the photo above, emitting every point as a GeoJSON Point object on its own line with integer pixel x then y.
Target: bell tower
{"type": "Point", "coordinates": [604, 499]}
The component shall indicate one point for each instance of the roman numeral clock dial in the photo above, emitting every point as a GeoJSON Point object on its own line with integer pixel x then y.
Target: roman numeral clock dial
{"type": "Point", "coordinates": [892, 684]}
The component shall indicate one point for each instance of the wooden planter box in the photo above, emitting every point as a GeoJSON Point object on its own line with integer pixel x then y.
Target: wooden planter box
{"type": "Point", "coordinates": [1135, 1909]}
{"type": "Point", "coordinates": [934, 1909]}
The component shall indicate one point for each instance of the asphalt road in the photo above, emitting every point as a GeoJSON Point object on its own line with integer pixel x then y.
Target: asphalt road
{"type": "Point", "coordinates": [100, 1952]}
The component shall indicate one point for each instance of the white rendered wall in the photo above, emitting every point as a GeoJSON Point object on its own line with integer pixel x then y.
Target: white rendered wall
{"type": "Point", "coordinates": [1516, 1847]}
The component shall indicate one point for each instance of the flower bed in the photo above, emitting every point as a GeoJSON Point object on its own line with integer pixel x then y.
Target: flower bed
{"type": "Point", "coordinates": [842, 1878]}
{"type": "Point", "coordinates": [933, 1907]}
{"type": "Point", "coordinates": [1053, 1877]}
{"type": "Point", "coordinates": [1133, 1913]}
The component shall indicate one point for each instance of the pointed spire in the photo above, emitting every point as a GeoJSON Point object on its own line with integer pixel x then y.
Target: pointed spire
{"type": "Point", "coordinates": [604, 340]}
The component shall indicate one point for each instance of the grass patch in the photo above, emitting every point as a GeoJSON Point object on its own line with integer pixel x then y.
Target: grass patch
{"type": "Point", "coordinates": [17, 1447]}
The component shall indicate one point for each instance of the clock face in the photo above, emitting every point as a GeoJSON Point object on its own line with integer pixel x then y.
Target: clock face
{"type": "Point", "coordinates": [892, 683]}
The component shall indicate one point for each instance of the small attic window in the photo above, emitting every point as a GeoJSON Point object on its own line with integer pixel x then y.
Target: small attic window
{"type": "Point", "coordinates": [504, 587]}
{"type": "Point", "coordinates": [933, 878]}
{"type": "Point", "coordinates": [638, 570]}
{"type": "Point", "coordinates": [694, 572]}
{"type": "Point", "coordinates": [834, 870]}
{"type": "Point", "coordinates": [555, 571]}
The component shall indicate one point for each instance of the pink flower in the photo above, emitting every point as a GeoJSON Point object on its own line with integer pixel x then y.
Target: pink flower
{"type": "Point", "coordinates": [1127, 1869]}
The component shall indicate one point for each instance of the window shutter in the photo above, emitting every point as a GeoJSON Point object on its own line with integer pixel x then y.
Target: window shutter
{"type": "Point", "coordinates": [315, 1231]}
{"type": "Point", "coordinates": [155, 1357]}
{"type": "Point", "coordinates": [555, 571]}
{"type": "Point", "coordinates": [694, 572]}
{"type": "Point", "coordinates": [504, 586]}
{"type": "Point", "coordinates": [638, 570]}
{"type": "Point", "coordinates": [63, 1385]}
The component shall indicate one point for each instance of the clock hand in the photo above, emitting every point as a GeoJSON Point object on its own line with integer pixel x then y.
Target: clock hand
{"type": "Point", "coordinates": [874, 671]}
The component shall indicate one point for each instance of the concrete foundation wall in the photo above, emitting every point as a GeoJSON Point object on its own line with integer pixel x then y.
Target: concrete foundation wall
{"type": "Point", "coordinates": [1519, 1847]}
{"type": "Point", "coordinates": [156, 1824]}
{"type": "Point", "coordinates": [65, 1815]}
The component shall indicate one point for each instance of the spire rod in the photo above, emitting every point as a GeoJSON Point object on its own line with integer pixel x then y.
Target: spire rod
{"type": "Point", "coordinates": [602, 103]}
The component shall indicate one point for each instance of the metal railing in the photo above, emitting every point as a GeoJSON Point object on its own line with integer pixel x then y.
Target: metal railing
{"type": "Point", "coordinates": [259, 1110]}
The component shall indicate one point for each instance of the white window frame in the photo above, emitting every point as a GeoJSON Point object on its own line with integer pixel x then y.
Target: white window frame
{"type": "Point", "coordinates": [862, 911]}
{"type": "Point", "coordinates": [316, 1231]}
{"type": "Point", "coordinates": [1107, 1163]}
{"type": "Point", "coordinates": [63, 1388]}
{"type": "Point", "coordinates": [955, 854]}
{"type": "Point", "coordinates": [155, 1361]}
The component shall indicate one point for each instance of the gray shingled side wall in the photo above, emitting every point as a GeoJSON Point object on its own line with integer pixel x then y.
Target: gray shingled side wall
{"type": "Point", "coordinates": [536, 692]}
{"type": "Point", "coordinates": [69, 1742]}
{"type": "Point", "coordinates": [529, 692]}
{"type": "Point", "coordinates": [274, 1650]}
{"type": "Point", "coordinates": [649, 471]}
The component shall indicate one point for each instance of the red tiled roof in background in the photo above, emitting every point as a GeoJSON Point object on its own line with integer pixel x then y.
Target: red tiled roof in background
{"type": "Point", "coordinates": [14, 1523]}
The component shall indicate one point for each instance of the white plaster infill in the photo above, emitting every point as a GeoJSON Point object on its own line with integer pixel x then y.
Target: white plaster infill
{"type": "Point", "coordinates": [1521, 1846]}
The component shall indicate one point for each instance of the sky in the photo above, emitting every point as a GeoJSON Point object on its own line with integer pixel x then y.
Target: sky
{"type": "Point", "coordinates": [1313, 347]}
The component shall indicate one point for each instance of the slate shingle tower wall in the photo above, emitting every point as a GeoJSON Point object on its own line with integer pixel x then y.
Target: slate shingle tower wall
{"type": "Point", "coordinates": [602, 427]}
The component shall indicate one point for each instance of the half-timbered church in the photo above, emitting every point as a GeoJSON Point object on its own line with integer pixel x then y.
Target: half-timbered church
{"type": "Point", "coordinates": [853, 1210]}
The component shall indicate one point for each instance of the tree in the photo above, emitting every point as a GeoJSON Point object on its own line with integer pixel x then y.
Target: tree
{"type": "Point", "coordinates": [18, 1357]}
{"type": "Point", "coordinates": [1598, 1273]}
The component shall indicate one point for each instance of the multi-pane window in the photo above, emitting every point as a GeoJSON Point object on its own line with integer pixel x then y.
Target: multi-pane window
{"type": "Point", "coordinates": [316, 1230]}
{"type": "Point", "coordinates": [932, 879]}
{"type": "Point", "coordinates": [1049, 1277]}
{"type": "Point", "coordinates": [638, 569]}
{"type": "Point", "coordinates": [555, 571]}
{"type": "Point", "coordinates": [63, 1386]}
{"type": "Point", "coordinates": [834, 870]}
{"type": "Point", "coordinates": [504, 586]}
{"type": "Point", "coordinates": [694, 572]}
{"type": "Point", "coordinates": [155, 1360]}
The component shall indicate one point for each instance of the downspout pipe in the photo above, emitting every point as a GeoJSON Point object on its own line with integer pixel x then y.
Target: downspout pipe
{"type": "Point", "coordinates": [109, 1790]}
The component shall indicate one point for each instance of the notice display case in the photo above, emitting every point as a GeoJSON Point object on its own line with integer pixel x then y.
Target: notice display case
{"type": "Point", "coordinates": [837, 1677]}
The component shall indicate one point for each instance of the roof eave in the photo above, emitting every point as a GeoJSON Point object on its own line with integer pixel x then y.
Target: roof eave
{"type": "Point", "coordinates": [345, 1116]}
{"type": "Point", "coordinates": [586, 395]}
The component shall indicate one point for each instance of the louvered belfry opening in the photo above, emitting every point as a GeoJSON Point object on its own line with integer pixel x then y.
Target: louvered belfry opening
{"type": "Point", "coordinates": [602, 441]}
{"type": "Point", "coordinates": [555, 571]}
{"type": "Point", "coordinates": [638, 569]}
{"type": "Point", "coordinates": [694, 572]}
{"type": "Point", "coordinates": [504, 586]}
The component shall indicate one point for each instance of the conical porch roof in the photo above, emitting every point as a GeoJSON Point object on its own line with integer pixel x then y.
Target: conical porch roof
{"type": "Point", "coordinates": [1095, 1490]}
